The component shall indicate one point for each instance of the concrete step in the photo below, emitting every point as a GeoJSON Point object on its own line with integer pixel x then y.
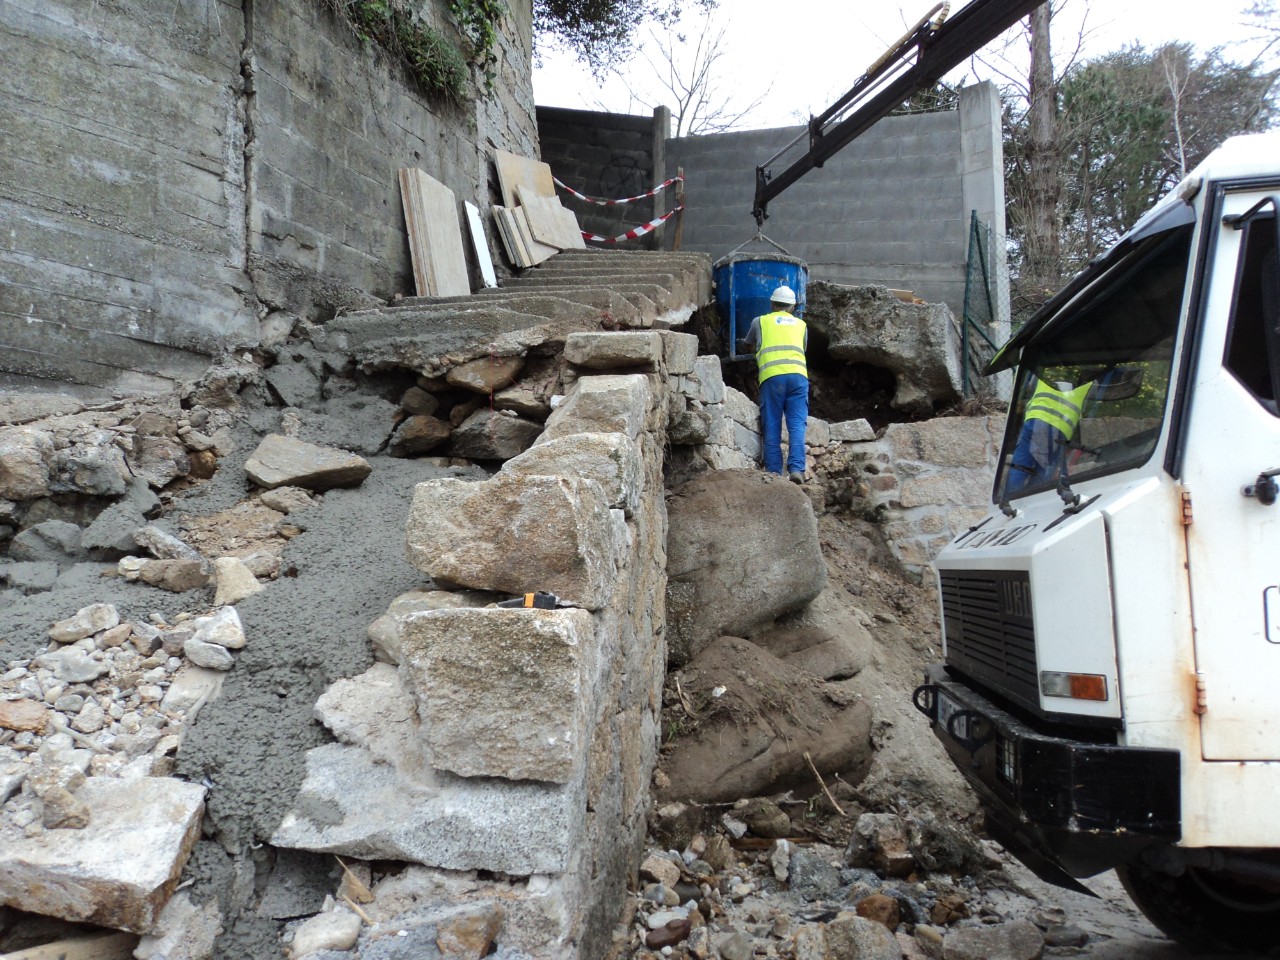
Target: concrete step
{"type": "Point", "coordinates": [537, 304]}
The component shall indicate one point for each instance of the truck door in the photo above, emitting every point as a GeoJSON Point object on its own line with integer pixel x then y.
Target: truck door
{"type": "Point", "coordinates": [1233, 540]}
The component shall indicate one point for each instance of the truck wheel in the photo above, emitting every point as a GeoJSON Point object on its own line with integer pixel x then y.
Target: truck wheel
{"type": "Point", "coordinates": [1204, 909]}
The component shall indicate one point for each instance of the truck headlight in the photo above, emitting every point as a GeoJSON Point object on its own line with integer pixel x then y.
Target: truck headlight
{"type": "Point", "coordinates": [1075, 686]}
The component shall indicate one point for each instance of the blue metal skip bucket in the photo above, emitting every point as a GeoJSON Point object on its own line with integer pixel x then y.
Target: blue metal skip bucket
{"type": "Point", "coordinates": [744, 283]}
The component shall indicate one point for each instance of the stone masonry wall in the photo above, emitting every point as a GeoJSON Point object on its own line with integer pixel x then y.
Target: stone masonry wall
{"type": "Point", "coordinates": [179, 173]}
{"type": "Point", "coordinates": [611, 156]}
{"type": "Point", "coordinates": [891, 209]}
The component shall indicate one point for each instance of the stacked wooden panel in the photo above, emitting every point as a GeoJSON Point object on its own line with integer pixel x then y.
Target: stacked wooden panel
{"type": "Point", "coordinates": [532, 222]}
{"type": "Point", "coordinates": [435, 236]}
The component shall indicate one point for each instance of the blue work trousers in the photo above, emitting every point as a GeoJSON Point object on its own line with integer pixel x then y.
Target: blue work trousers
{"type": "Point", "coordinates": [786, 394]}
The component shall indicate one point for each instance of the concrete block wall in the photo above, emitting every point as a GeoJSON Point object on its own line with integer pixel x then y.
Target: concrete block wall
{"type": "Point", "coordinates": [176, 172]}
{"type": "Point", "coordinates": [610, 156]}
{"type": "Point", "coordinates": [892, 208]}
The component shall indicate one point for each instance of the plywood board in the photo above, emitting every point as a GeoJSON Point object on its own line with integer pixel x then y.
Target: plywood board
{"type": "Point", "coordinates": [537, 251]}
{"type": "Point", "coordinates": [435, 236]}
{"type": "Point", "coordinates": [511, 240]}
{"type": "Point", "coordinates": [544, 223]}
{"type": "Point", "coordinates": [516, 171]}
{"type": "Point", "coordinates": [106, 946]}
{"type": "Point", "coordinates": [573, 230]}
{"type": "Point", "coordinates": [480, 244]}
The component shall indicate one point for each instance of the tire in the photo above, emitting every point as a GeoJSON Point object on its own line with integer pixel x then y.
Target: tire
{"type": "Point", "coordinates": [1205, 910]}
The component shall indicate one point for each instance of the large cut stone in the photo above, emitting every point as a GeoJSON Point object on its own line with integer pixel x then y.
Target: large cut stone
{"type": "Point", "coordinates": [120, 869]}
{"type": "Point", "coordinates": [503, 693]}
{"type": "Point", "coordinates": [282, 461]}
{"type": "Point", "coordinates": [945, 441]}
{"type": "Point", "coordinates": [604, 350]}
{"type": "Point", "coordinates": [742, 549]}
{"type": "Point", "coordinates": [493, 435]}
{"type": "Point", "coordinates": [679, 352]}
{"type": "Point", "coordinates": [350, 804]}
{"type": "Point", "coordinates": [376, 712]}
{"type": "Point", "coordinates": [611, 459]}
{"type": "Point", "coordinates": [605, 404]}
{"type": "Point", "coordinates": [920, 343]}
{"type": "Point", "coordinates": [515, 535]}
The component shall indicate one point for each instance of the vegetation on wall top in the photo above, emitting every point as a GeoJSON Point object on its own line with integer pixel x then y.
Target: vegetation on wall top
{"type": "Point", "coordinates": [436, 64]}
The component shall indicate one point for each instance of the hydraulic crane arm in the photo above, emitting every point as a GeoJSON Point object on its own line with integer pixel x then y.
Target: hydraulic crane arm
{"type": "Point", "coordinates": [938, 46]}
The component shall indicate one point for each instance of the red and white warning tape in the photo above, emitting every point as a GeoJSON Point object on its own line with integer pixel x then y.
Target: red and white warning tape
{"type": "Point", "coordinates": [613, 203]}
{"type": "Point", "coordinates": [635, 231]}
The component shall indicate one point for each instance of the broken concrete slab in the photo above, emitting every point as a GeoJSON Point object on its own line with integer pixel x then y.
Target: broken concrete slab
{"type": "Point", "coordinates": [350, 804]}
{"type": "Point", "coordinates": [283, 461]}
{"type": "Point", "coordinates": [514, 535]}
{"type": "Point", "coordinates": [118, 871]}
{"type": "Point", "coordinates": [608, 350]}
{"type": "Point", "coordinates": [503, 693]}
{"type": "Point", "coordinates": [611, 459]}
{"type": "Point", "coordinates": [613, 403]}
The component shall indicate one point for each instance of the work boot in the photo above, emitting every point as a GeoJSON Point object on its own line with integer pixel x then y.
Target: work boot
{"type": "Point", "coordinates": [797, 476]}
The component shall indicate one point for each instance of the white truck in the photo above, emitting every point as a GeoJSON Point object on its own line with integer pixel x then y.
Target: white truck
{"type": "Point", "coordinates": [1111, 684]}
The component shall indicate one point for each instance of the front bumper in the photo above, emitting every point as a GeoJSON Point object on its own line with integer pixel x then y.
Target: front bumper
{"type": "Point", "coordinates": [1066, 808]}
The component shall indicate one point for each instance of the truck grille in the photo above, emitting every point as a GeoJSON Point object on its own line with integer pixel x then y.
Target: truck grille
{"type": "Point", "coordinates": [990, 637]}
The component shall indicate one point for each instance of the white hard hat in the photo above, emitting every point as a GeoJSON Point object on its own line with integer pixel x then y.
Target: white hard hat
{"type": "Point", "coordinates": [785, 295]}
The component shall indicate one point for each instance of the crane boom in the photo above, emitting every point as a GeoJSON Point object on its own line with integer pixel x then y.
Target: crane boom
{"type": "Point", "coordinates": [939, 46]}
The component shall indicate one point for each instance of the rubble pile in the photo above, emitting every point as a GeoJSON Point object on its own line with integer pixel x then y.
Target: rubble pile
{"type": "Point", "coordinates": [751, 881]}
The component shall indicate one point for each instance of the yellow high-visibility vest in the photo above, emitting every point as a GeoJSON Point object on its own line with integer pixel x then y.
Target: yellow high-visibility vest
{"type": "Point", "coordinates": [781, 347]}
{"type": "Point", "coordinates": [1058, 408]}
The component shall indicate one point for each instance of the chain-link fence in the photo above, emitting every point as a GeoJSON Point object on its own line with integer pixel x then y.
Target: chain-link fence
{"type": "Point", "coordinates": [985, 325]}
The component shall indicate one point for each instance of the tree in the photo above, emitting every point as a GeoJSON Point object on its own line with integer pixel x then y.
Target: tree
{"type": "Point", "coordinates": [1135, 122]}
{"type": "Point", "coordinates": [1111, 137]}
{"type": "Point", "coordinates": [1265, 19]}
{"type": "Point", "coordinates": [687, 79]}
{"type": "Point", "coordinates": [601, 32]}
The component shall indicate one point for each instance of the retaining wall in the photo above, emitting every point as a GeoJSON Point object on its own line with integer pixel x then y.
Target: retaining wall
{"type": "Point", "coordinates": [176, 174]}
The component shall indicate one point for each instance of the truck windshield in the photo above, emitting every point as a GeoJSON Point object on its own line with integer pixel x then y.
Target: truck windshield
{"type": "Point", "coordinates": [1092, 385]}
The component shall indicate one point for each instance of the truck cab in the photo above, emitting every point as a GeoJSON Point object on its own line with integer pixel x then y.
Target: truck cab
{"type": "Point", "coordinates": [1111, 629]}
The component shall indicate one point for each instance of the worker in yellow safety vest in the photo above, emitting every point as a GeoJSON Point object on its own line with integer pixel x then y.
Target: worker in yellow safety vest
{"type": "Point", "coordinates": [779, 339]}
{"type": "Point", "coordinates": [1053, 414]}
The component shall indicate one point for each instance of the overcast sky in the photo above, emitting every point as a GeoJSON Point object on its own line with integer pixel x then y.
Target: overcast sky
{"type": "Point", "coordinates": [800, 55]}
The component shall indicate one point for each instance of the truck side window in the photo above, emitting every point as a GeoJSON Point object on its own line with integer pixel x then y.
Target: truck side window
{"type": "Point", "coordinates": [1254, 336]}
